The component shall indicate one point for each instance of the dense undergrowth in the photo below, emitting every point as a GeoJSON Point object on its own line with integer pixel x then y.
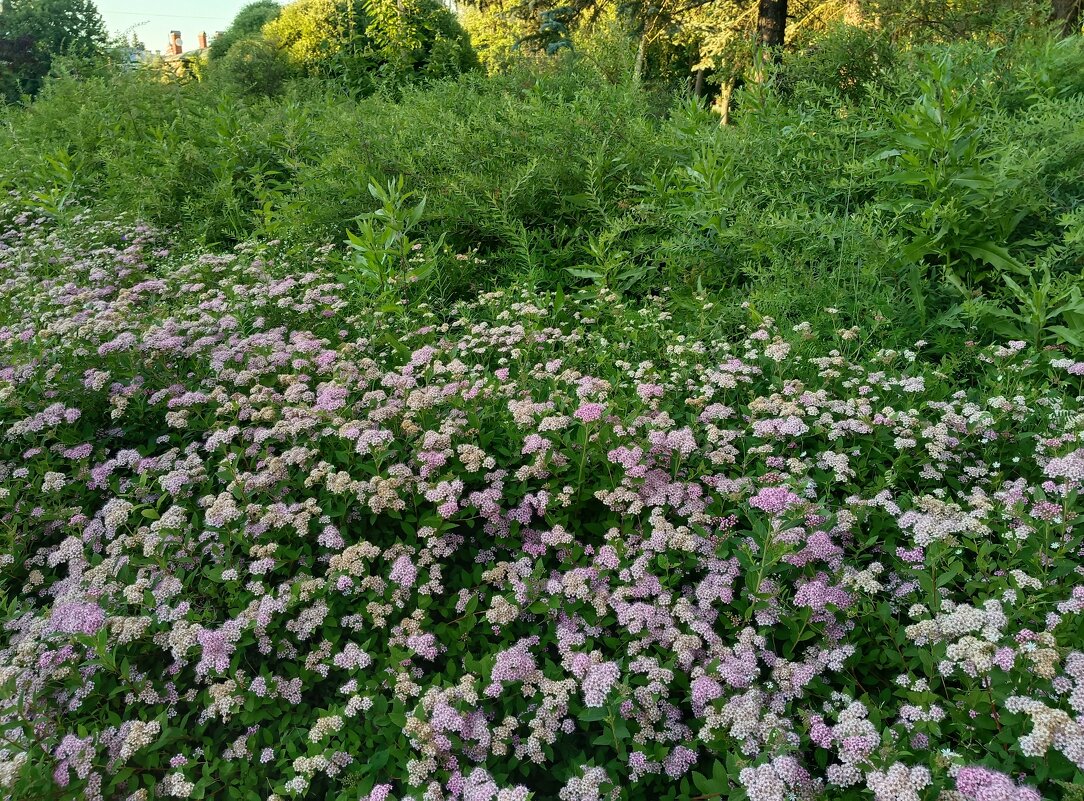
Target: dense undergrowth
{"type": "Point", "coordinates": [534, 436]}
{"type": "Point", "coordinates": [942, 189]}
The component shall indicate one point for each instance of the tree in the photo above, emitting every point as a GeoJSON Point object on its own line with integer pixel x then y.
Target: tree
{"type": "Point", "coordinates": [772, 25]}
{"type": "Point", "coordinates": [913, 21]}
{"type": "Point", "coordinates": [253, 67]}
{"type": "Point", "coordinates": [312, 32]}
{"type": "Point", "coordinates": [58, 27]}
{"type": "Point", "coordinates": [1068, 13]}
{"type": "Point", "coordinates": [34, 32]}
{"type": "Point", "coordinates": [248, 24]}
{"type": "Point", "coordinates": [724, 34]}
{"type": "Point", "coordinates": [549, 25]}
{"type": "Point", "coordinates": [22, 65]}
{"type": "Point", "coordinates": [494, 36]}
{"type": "Point", "coordinates": [358, 40]}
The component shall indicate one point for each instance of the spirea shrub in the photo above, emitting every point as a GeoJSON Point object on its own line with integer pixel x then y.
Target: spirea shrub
{"type": "Point", "coordinates": [258, 544]}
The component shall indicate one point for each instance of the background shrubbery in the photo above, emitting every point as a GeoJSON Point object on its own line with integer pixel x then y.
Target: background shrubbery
{"type": "Point", "coordinates": [248, 24]}
{"type": "Point", "coordinates": [937, 186]}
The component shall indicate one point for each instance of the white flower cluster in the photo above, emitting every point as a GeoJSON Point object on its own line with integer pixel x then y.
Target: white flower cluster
{"type": "Point", "coordinates": [325, 727]}
{"type": "Point", "coordinates": [898, 783]}
{"type": "Point", "coordinates": [1052, 728]}
{"type": "Point", "coordinates": [10, 766]}
{"type": "Point", "coordinates": [176, 785]}
{"type": "Point", "coordinates": [140, 735]}
{"type": "Point", "coordinates": [587, 787]}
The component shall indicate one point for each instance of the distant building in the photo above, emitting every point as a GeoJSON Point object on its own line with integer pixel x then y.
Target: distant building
{"type": "Point", "coordinates": [186, 65]}
{"type": "Point", "coordinates": [176, 46]}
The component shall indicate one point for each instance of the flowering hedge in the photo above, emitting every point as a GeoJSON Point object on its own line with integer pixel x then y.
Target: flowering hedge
{"type": "Point", "coordinates": [255, 544]}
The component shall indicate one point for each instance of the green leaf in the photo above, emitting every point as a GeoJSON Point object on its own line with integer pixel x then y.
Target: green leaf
{"type": "Point", "coordinates": [378, 760]}
{"type": "Point", "coordinates": [702, 783]}
{"type": "Point", "coordinates": [996, 256]}
{"type": "Point", "coordinates": [592, 714]}
{"type": "Point", "coordinates": [1067, 335]}
{"type": "Point", "coordinates": [719, 775]}
{"type": "Point", "coordinates": [580, 272]}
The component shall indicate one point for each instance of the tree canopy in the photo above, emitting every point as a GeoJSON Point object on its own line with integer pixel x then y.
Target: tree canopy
{"type": "Point", "coordinates": [310, 32]}
{"type": "Point", "coordinates": [33, 32]}
{"type": "Point", "coordinates": [248, 23]}
{"type": "Point", "coordinates": [359, 37]}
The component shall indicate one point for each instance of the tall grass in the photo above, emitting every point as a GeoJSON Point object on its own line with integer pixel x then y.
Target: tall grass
{"type": "Point", "coordinates": [902, 192]}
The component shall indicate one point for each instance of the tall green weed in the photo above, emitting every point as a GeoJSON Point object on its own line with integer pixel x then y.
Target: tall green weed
{"type": "Point", "coordinates": [938, 193]}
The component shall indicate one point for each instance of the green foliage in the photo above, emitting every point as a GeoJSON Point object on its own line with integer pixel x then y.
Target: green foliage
{"type": "Point", "coordinates": [56, 174]}
{"type": "Point", "coordinates": [361, 43]}
{"type": "Point", "coordinates": [867, 192]}
{"type": "Point", "coordinates": [34, 32]}
{"type": "Point", "coordinates": [609, 267]}
{"type": "Point", "coordinates": [938, 20]}
{"type": "Point", "coordinates": [1040, 311]}
{"type": "Point", "coordinates": [960, 210]}
{"type": "Point", "coordinates": [609, 47]}
{"type": "Point", "coordinates": [665, 39]}
{"type": "Point", "coordinates": [847, 61]}
{"type": "Point", "coordinates": [493, 37]}
{"type": "Point", "coordinates": [58, 27]}
{"type": "Point", "coordinates": [248, 24]}
{"type": "Point", "coordinates": [253, 67]}
{"type": "Point", "coordinates": [494, 157]}
{"type": "Point", "coordinates": [508, 39]}
{"type": "Point", "coordinates": [381, 255]}
{"type": "Point", "coordinates": [411, 39]}
{"type": "Point", "coordinates": [972, 209]}
{"type": "Point", "coordinates": [312, 32]}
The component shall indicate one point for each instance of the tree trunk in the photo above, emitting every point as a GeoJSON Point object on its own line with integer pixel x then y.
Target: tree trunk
{"type": "Point", "coordinates": [722, 103]}
{"type": "Point", "coordinates": [641, 53]}
{"type": "Point", "coordinates": [771, 32]}
{"type": "Point", "coordinates": [772, 23]}
{"type": "Point", "coordinates": [698, 85]}
{"type": "Point", "coordinates": [1068, 13]}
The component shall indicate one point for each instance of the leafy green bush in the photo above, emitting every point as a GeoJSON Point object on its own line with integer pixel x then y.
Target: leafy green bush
{"type": "Point", "coordinates": [382, 259]}
{"type": "Point", "coordinates": [911, 198]}
{"type": "Point", "coordinates": [847, 60]}
{"type": "Point", "coordinates": [483, 152]}
{"type": "Point", "coordinates": [252, 67]}
{"type": "Point", "coordinates": [248, 24]}
{"type": "Point", "coordinates": [959, 207]}
{"type": "Point", "coordinates": [907, 200]}
{"type": "Point", "coordinates": [362, 43]}
{"type": "Point", "coordinates": [974, 202]}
